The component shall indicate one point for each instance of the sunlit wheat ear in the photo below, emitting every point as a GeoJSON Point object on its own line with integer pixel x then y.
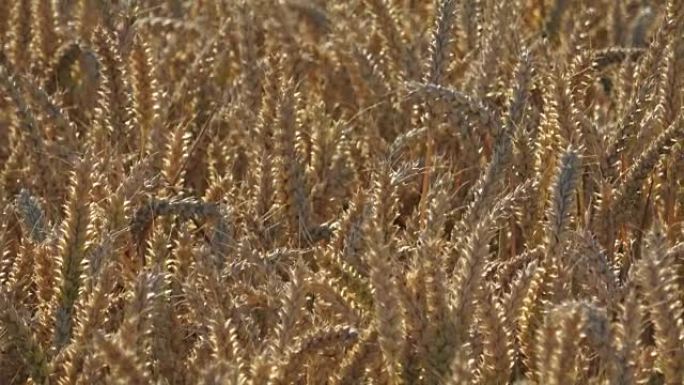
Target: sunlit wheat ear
{"type": "Point", "coordinates": [431, 269]}
{"type": "Point", "coordinates": [73, 245]}
{"type": "Point", "coordinates": [473, 255]}
{"type": "Point", "coordinates": [19, 32]}
{"type": "Point", "coordinates": [659, 289]}
{"type": "Point", "coordinates": [560, 334]}
{"type": "Point", "coordinates": [176, 155]}
{"type": "Point", "coordinates": [630, 187]}
{"type": "Point", "coordinates": [498, 354]}
{"type": "Point", "coordinates": [665, 109]}
{"type": "Point", "coordinates": [146, 97]}
{"type": "Point", "coordinates": [567, 326]}
{"type": "Point", "coordinates": [114, 85]}
{"type": "Point", "coordinates": [46, 35]}
{"type": "Point", "coordinates": [90, 318]}
{"type": "Point", "coordinates": [545, 283]}
{"type": "Point", "coordinates": [387, 19]}
{"type": "Point", "coordinates": [291, 309]}
{"type": "Point", "coordinates": [630, 324]}
{"type": "Point", "coordinates": [262, 151]}
{"type": "Point", "coordinates": [484, 68]}
{"type": "Point", "coordinates": [437, 65]}
{"type": "Point", "coordinates": [562, 200]}
{"type": "Point", "coordinates": [293, 193]}
{"type": "Point", "coordinates": [338, 337]}
{"type": "Point", "coordinates": [385, 302]}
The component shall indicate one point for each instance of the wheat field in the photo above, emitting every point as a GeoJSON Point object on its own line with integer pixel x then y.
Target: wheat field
{"type": "Point", "coordinates": [341, 192]}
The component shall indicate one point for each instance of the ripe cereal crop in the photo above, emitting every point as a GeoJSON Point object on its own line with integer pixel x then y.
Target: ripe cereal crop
{"type": "Point", "coordinates": [386, 192]}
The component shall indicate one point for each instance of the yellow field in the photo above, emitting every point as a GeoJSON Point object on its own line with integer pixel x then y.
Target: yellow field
{"type": "Point", "coordinates": [341, 192]}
